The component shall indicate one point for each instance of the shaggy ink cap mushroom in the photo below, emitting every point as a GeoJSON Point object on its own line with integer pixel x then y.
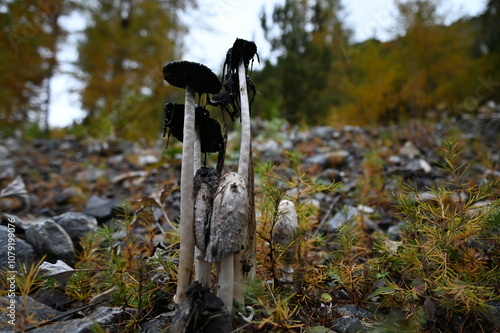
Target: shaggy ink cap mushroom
{"type": "Point", "coordinates": [242, 50]}
{"type": "Point", "coordinates": [187, 73]}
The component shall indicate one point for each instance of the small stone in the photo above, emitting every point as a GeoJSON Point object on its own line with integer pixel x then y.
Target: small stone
{"type": "Point", "coordinates": [145, 160]}
{"type": "Point", "coordinates": [346, 214]}
{"type": "Point", "coordinates": [50, 239]}
{"type": "Point", "coordinates": [37, 311]}
{"type": "Point", "coordinates": [341, 295]}
{"type": "Point", "coordinates": [4, 152]}
{"type": "Point", "coordinates": [24, 251]}
{"type": "Point", "coordinates": [101, 209]}
{"type": "Point", "coordinates": [109, 319]}
{"type": "Point", "coordinates": [409, 150]}
{"type": "Point", "coordinates": [348, 325]}
{"type": "Point", "coordinates": [76, 224]}
{"type": "Point", "coordinates": [394, 159]}
{"type": "Point", "coordinates": [354, 311]}
{"type": "Point", "coordinates": [91, 174]}
{"type": "Point", "coordinates": [66, 195]}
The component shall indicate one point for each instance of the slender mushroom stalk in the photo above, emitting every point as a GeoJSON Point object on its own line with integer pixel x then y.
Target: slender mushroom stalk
{"type": "Point", "coordinates": [242, 52]}
{"type": "Point", "coordinates": [226, 232]}
{"type": "Point", "coordinates": [283, 234]}
{"type": "Point", "coordinates": [194, 78]}
{"type": "Point", "coordinates": [186, 256]}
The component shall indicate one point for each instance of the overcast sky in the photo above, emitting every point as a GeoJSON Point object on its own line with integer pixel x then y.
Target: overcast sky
{"type": "Point", "coordinates": [217, 23]}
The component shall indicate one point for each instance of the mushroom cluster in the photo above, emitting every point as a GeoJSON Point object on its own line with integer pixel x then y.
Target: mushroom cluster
{"type": "Point", "coordinates": [216, 211]}
{"type": "Point", "coordinates": [195, 78]}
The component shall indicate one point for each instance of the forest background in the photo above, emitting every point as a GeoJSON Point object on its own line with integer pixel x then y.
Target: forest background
{"type": "Point", "coordinates": [429, 69]}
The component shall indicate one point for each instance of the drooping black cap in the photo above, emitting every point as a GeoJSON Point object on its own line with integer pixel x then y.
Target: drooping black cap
{"type": "Point", "coordinates": [210, 130]}
{"type": "Point", "coordinates": [242, 50]}
{"type": "Point", "coordinates": [183, 73]}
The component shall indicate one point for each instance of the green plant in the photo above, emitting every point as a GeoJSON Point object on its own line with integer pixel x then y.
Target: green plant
{"type": "Point", "coordinates": [446, 263]}
{"type": "Point", "coordinates": [351, 265]}
{"type": "Point", "coordinates": [121, 260]}
{"type": "Point", "coordinates": [278, 302]}
{"type": "Point", "coordinates": [28, 280]}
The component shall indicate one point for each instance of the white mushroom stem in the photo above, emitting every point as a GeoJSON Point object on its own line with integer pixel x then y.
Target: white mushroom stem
{"type": "Point", "coordinates": [197, 150]}
{"type": "Point", "coordinates": [186, 255]}
{"type": "Point", "coordinates": [203, 269]}
{"type": "Point", "coordinates": [243, 167]}
{"type": "Point", "coordinates": [227, 283]}
{"type": "Point", "coordinates": [245, 124]}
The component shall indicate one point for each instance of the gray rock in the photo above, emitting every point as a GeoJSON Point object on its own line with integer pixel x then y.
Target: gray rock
{"type": "Point", "coordinates": [344, 215]}
{"type": "Point", "coordinates": [270, 150]}
{"type": "Point", "coordinates": [145, 160]}
{"type": "Point", "coordinates": [394, 231]}
{"type": "Point", "coordinates": [50, 239]}
{"type": "Point", "coordinates": [16, 189]}
{"type": "Point", "coordinates": [59, 271]}
{"type": "Point", "coordinates": [493, 316]}
{"type": "Point", "coordinates": [39, 312]}
{"type": "Point", "coordinates": [66, 194]}
{"type": "Point", "coordinates": [76, 224]}
{"type": "Point", "coordinates": [341, 294]}
{"type": "Point", "coordinates": [416, 167]}
{"type": "Point", "coordinates": [101, 209]}
{"type": "Point", "coordinates": [394, 159]}
{"type": "Point", "coordinates": [7, 168]}
{"type": "Point", "coordinates": [158, 324]}
{"type": "Point", "coordinates": [332, 159]}
{"type": "Point", "coordinates": [116, 160]}
{"type": "Point", "coordinates": [91, 175]}
{"type": "Point", "coordinates": [20, 224]}
{"type": "Point", "coordinates": [24, 252]}
{"type": "Point", "coordinates": [106, 318]}
{"type": "Point", "coordinates": [348, 325]}
{"type": "Point", "coordinates": [324, 132]}
{"type": "Point", "coordinates": [351, 310]}
{"type": "Point", "coordinates": [4, 152]}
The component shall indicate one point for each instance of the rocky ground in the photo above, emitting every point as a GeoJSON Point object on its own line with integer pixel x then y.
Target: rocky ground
{"type": "Point", "coordinates": [55, 190]}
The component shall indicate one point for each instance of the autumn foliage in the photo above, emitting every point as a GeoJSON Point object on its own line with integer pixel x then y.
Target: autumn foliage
{"type": "Point", "coordinates": [433, 65]}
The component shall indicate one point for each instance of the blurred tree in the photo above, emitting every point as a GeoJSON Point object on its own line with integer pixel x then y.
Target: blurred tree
{"type": "Point", "coordinates": [306, 79]}
{"type": "Point", "coordinates": [28, 47]}
{"type": "Point", "coordinates": [372, 89]}
{"type": "Point", "coordinates": [489, 47]}
{"type": "Point", "coordinates": [125, 46]}
{"type": "Point", "coordinates": [437, 68]}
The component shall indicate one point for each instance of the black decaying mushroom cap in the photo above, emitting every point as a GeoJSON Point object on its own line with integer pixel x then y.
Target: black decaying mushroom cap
{"type": "Point", "coordinates": [210, 130]}
{"type": "Point", "coordinates": [242, 50]}
{"type": "Point", "coordinates": [183, 73]}
{"type": "Point", "coordinates": [202, 311]}
{"type": "Point", "coordinates": [206, 182]}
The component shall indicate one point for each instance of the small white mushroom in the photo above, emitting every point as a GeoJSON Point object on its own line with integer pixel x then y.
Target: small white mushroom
{"type": "Point", "coordinates": [284, 231]}
{"type": "Point", "coordinates": [226, 232]}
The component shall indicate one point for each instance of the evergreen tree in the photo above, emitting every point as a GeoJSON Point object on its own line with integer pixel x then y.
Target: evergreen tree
{"type": "Point", "coordinates": [306, 78]}
{"type": "Point", "coordinates": [489, 46]}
